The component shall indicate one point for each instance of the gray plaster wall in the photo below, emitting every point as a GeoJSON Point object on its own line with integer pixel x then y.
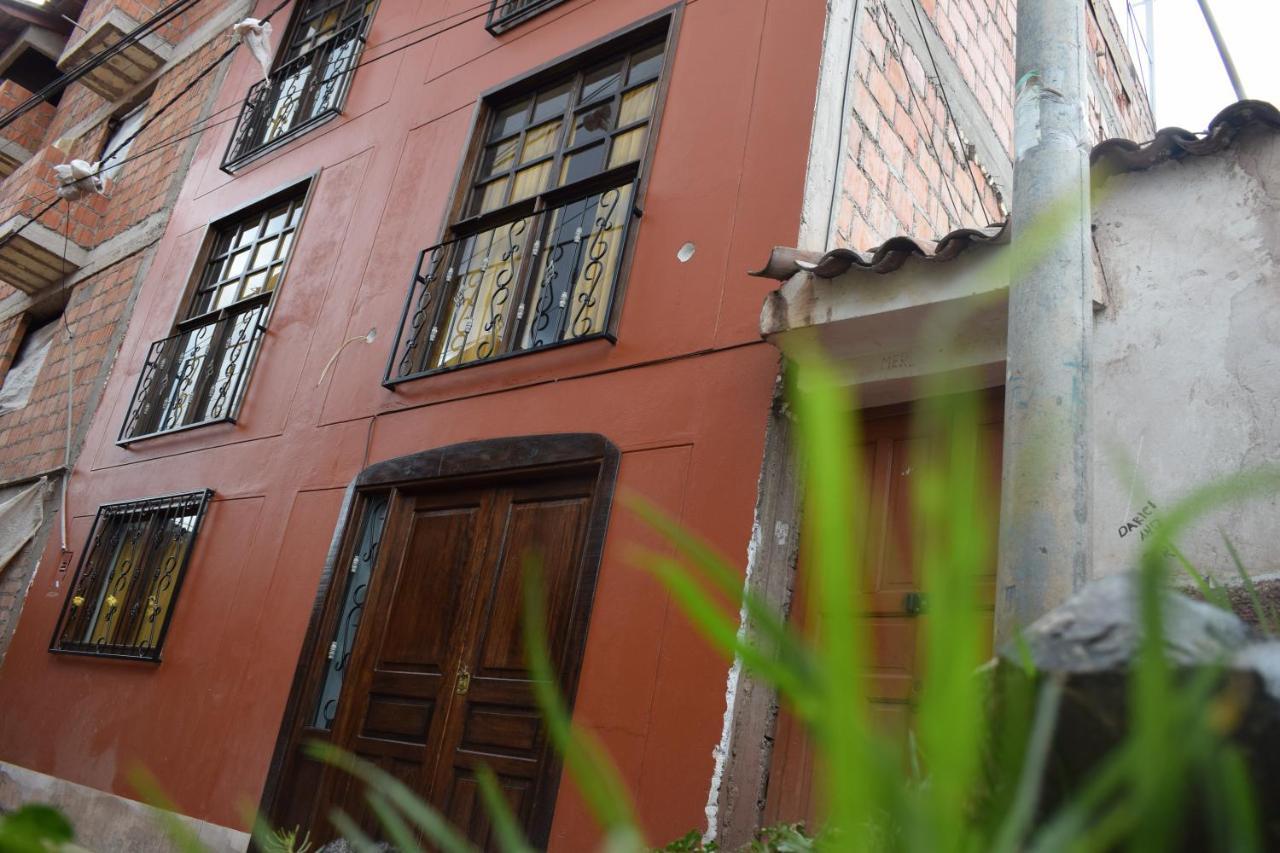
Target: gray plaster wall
{"type": "Point", "coordinates": [1186, 366]}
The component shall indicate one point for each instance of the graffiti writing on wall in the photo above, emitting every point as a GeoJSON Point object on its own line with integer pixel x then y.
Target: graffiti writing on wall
{"type": "Point", "coordinates": [1143, 524]}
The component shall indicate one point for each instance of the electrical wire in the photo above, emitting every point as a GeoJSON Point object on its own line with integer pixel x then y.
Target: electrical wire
{"type": "Point", "coordinates": [97, 60]}
{"type": "Point", "coordinates": [193, 129]}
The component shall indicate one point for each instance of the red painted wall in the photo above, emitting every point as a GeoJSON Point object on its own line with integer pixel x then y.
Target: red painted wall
{"type": "Point", "coordinates": [683, 393]}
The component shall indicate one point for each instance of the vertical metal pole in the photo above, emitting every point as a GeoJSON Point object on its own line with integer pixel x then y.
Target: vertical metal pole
{"type": "Point", "coordinates": [1044, 514]}
{"type": "Point", "coordinates": [1221, 44]}
{"type": "Point", "coordinates": [1151, 53]}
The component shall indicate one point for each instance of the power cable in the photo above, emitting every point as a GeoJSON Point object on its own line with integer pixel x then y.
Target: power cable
{"type": "Point", "coordinates": [97, 60]}
{"type": "Point", "coordinates": [193, 129]}
{"type": "Point", "coordinates": [191, 84]}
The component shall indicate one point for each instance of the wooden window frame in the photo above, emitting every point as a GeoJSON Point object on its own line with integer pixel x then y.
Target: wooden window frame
{"type": "Point", "coordinates": [488, 460]}
{"type": "Point", "coordinates": [265, 302]}
{"type": "Point", "coordinates": [135, 592]}
{"type": "Point", "coordinates": [498, 24]}
{"type": "Point", "coordinates": [663, 26]}
{"type": "Point", "coordinates": [234, 158]}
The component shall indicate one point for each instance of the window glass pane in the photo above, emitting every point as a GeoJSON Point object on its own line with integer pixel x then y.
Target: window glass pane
{"type": "Point", "coordinates": [353, 601]}
{"type": "Point", "coordinates": [276, 220]}
{"type": "Point", "coordinates": [646, 63]}
{"type": "Point", "coordinates": [509, 120]}
{"type": "Point", "coordinates": [601, 82]}
{"type": "Point", "coordinates": [491, 196]}
{"type": "Point", "coordinates": [627, 147]}
{"type": "Point", "coordinates": [593, 123]}
{"type": "Point", "coordinates": [481, 276]}
{"type": "Point", "coordinates": [540, 142]}
{"type": "Point", "coordinates": [499, 158]}
{"type": "Point", "coordinates": [121, 598]}
{"type": "Point", "coordinates": [265, 254]}
{"type": "Point", "coordinates": [553, 102]}
{"type": "Point", "coordinates": [254, 284]}
{"type": "Point", "coordinates": [530, 181]}
{"type": "Point", "coordinates": [583, 164]}
{"type": "Point", "coordinates": [582, 244]}
{"type": "Point", "coordinates": [238, 263]}
{"type": "Point", "coordinates": [637, 104]}
{"type": "Point", "coordinates": [110, 165]}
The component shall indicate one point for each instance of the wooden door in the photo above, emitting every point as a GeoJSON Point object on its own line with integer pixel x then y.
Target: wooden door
{"type": "Point", "coordinates": [893, 449]}
{"type": "Point", "coordinates": [437, 683]}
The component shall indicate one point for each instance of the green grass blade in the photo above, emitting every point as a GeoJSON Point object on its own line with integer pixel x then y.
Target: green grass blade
{"type": "Point", "coordinates": [505, 825]}
{"type": "Point", "coordinates": [398, 832]}
{"type": "Point", "coordinates": [180, 833]}
{"type": "Point", "coordinates": [352, 833]}
{"type": "Point", "coordinates": [1212, 594]}
{"type": "Point", "coordinates": [1027, 797]}
{"type": "Point", "coordinates": [715, 569]}
{"type": "Point", "coordinates": [795, 681]}
{"type": "Point", "coordinates": [1266, 619]}
{"type": "Point", "coordinates": [827, 436]}
{"type": "Point", "coordinates": [430, 822]}
{"type": "Point", "coordinates": [953, 554]}
{"type": "Point", "coordinates": [1232, 803]}
{"type": "Point", "coordinates": [594, 774]}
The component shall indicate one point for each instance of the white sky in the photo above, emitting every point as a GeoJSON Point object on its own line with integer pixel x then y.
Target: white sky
{"type": "Point", "coordinates": [1191, 85]}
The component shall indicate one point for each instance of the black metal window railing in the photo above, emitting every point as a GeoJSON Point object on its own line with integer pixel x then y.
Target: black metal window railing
{"type": "Point", "coordinates": [505, 14]}
{"type": "Point", "coordinates": [538, 281]}
{"type": "Point", "coordinates": [122, 597]}
{"type": "Point", "coordinates": [197, 376]}
{"type": "Point", "coordinates": [300, 93]}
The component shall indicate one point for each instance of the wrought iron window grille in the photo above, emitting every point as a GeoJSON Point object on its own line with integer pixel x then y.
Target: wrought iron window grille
{"type": "Point", "coordinates": [197, 376]}
{"type": "Point", "coordinates": [505, 14]}
{"type": "Point", "coordinates": [542, 223]}
{"type": "Point", "coordinates": [121, 600]}
{"type": "Point", "coordinates": [543, 280]}
{"type": "Point", "coordinates": [301, 93]}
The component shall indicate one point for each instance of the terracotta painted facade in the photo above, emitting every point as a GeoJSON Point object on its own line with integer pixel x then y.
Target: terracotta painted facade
{"type": "Point", "coordinates": [682, 393]}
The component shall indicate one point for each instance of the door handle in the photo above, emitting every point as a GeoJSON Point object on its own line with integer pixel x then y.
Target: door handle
{"type": "Point", "coordinates": [463, 683]}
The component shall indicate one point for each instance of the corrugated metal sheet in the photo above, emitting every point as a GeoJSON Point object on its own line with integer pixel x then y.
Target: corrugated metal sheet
{"type": "Point", "coordinates": [1108, 157]}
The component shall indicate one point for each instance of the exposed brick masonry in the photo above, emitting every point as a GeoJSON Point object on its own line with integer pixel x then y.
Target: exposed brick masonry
{"type": "Point", "coordinates": [907, 169]}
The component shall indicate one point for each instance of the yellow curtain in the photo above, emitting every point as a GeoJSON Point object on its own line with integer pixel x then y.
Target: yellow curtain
{"type": "Point", "coordinates": [602, 249]}
{"type": "Point", "coordinates": [492, 263]}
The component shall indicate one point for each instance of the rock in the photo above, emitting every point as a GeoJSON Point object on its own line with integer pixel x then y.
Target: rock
{"type": "Point", "coordinates": [1091, 643]}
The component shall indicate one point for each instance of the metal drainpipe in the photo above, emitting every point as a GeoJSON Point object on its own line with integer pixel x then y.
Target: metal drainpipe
{"type": "Point", "coordinates": [1044, 508]}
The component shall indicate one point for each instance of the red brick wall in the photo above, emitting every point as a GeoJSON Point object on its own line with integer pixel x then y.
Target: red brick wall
{"type": "Point", "coordinates": [29, 130]}
{"type": "Point", "coordinates": [33, 439]}
{"type": "Point", "coordinates": [906, 169]}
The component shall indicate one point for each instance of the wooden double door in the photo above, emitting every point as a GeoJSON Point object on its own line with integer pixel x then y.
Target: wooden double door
{"type": "Point", "coordinates": [436, 682]}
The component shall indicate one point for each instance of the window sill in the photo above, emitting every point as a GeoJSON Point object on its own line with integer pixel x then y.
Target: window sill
{"type": "Point", "coordinates": [231, 167]}
{"type": "Point", "coordinates": [507, 356]}
{"type": "Point", "coordinates": [131, 440]}
{"type": "Point", "coordinates": [499, 24]}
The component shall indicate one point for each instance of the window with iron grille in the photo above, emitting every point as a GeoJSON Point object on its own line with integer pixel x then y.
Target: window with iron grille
{"type": "Point", "coordinates": [198, 375]}
{"type": "Point", "coordinates": [126, 584]}
{"type": "Point", "coordinates": [542, 220]}
{"type": "Point", "coordinates": [308, 85]}
{"type": "Point", "coordinates": [505, 14]}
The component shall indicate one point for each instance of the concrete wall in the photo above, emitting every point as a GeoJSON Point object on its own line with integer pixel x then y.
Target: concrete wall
{"type": "Point", "coordinates": [1187, 351]}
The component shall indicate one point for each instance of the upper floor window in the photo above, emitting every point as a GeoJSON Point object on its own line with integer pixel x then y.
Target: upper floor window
{"type": "Point", "coordinates": [313, 71]}
{"type": "Point", "coordinates": [122, 597]}
{"type": "Point", "coordinates": [120, 133]}
{"type": "Point", "coordinates": [540, 222]}
{"type": "Point", "coordinates": [199, 374]}
{"type": "Point", "coordinates": [505, 14]}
